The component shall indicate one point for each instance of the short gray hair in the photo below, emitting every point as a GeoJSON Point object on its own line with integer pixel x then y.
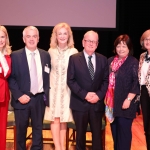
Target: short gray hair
{"type": "Point", "coordinates": [30, 28]}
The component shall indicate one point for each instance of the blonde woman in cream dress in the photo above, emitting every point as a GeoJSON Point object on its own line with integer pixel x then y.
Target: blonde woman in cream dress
{"type": "Point", "coordinates": [59, 113]}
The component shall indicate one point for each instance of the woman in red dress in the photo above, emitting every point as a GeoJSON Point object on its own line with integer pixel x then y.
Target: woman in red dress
{"type": "Point", "coordinates": [5, 69]}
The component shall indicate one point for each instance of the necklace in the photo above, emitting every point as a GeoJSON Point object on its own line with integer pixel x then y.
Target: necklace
{"type": "Point", "coordinates": [61, 50]}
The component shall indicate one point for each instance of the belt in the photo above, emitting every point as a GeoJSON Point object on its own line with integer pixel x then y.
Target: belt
{"type": "Point", "coordinates": [32, 95]}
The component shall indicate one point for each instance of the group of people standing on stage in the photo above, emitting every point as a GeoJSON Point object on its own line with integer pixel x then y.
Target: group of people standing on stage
{"type": "Point", "coordinates": [64, 85]}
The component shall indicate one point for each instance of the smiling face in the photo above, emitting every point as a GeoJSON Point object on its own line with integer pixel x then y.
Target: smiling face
{"type": "Point", "coordinates": [62, 36]}
{"type": "Point", "coordinates": [122, 49]}
{"type": "Point", "coordinates": [146, 43]}
{"type": "Point", "coordinates": [2, 40]}
{"type": "Point", "coordinates": [90, 42]}
{"type": "Point", "coordinates": [31, 39]}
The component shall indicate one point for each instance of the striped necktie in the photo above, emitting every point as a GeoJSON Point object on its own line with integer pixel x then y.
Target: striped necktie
{"type": "Point", "coordinates": [91, 68]}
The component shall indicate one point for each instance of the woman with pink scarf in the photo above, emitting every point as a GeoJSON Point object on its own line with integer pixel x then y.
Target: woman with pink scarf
{"type": "Point", "coordinates": [120, 100]}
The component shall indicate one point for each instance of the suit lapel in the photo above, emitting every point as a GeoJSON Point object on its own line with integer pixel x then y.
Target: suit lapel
{"type": "Point", "coordinates": [42, 61]}
{"type": "Point", "coordinates": [25, 62]}
{"type": "Point", "coordinates": [98, 66]}
{"type": "Point", "coordinates": [8, 59]}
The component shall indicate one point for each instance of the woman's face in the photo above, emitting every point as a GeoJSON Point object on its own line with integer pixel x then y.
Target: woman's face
{"type": "Point", "coordinates": [122, 50]}
{"type": "Point", "coordinates": [62, 36]}
{"type": "Point", "coordinates": [147, 43]}
{"type": "Point", "coordinates": [2, 40]}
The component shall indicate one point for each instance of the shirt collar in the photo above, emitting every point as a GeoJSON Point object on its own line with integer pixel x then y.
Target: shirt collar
{"type": "Point", "coordinates": [86, 55]}
{"type": "Point", "coordinates": [28, 52]}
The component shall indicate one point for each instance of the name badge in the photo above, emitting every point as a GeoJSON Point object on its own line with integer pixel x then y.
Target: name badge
{"type": "Point", "coordinates": [0, 69]}
{"type": "Point", "coordinates": [46, 69]}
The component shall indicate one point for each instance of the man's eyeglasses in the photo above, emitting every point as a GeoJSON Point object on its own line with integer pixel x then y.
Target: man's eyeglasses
{"type": "Point", "coordinates": [89, 41]}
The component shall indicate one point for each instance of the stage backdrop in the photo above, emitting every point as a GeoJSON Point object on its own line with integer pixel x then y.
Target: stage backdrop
{"type": "Point", "coordinates": [77, 13]}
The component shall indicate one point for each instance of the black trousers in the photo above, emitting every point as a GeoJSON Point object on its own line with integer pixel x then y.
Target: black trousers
{"type": "Point", "coordinates": [145, 105]}
{"type": "Point", "coordinates": [81, 121]}
{"type": "Point", "coordinates": [34, 111]}
{"type": "Point", "coordinates": [121, 132]}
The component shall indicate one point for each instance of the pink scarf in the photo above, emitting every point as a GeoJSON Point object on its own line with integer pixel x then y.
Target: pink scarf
{"type": "Point", "coordinates": [109, 98]}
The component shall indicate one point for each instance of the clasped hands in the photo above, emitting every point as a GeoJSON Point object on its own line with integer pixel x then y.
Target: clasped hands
{"type": "Point", "coordinates": [92, 97]}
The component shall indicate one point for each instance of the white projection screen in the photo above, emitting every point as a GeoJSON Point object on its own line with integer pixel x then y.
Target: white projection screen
{"type": "Point", "coordinates": [77, 13]}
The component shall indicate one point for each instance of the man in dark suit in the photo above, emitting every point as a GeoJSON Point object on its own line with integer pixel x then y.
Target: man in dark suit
{"type": "Point", "coordinates": [88, 80]}
{"type": "Point", "coordinates": [29, 85]}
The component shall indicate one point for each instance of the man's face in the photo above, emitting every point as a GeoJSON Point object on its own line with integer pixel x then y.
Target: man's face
{"type": "Point", "coordinates": [31, 39]}
{"type": "Point", "coordinates": [90, 42]}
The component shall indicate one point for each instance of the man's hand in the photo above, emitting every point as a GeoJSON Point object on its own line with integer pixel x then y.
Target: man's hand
{"type": "Point", "coordinates": [89, 96]}
{"type": "Point", "coordinates": [92, 97]}
{"type": "Point", "coordinates": [24, 99]}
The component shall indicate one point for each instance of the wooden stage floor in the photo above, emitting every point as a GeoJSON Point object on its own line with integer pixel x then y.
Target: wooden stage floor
{"type": "Point", "coordinates": [138, 138]}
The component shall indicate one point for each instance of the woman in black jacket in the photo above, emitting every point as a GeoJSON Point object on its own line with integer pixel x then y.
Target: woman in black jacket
{"type": "Point", "coordinates": [123, 87]}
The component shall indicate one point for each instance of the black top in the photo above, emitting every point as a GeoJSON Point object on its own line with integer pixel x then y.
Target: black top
{"type": "Point", "coordinates": [126, 81]}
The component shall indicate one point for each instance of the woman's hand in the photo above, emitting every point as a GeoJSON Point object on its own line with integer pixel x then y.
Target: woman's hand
{"type": "Point", "coordinates": [126, 104]}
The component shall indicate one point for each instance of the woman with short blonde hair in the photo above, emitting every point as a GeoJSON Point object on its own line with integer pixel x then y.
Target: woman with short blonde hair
{"type": "Point", "coordinates": [144, 80]}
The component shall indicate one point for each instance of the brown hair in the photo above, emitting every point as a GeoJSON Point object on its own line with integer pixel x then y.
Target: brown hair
{"type": "Point", "coordinates": [125, 39]}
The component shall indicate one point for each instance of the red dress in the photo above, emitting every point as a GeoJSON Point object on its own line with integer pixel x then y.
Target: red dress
{"type": "Point", "coordinates": [4, 100]}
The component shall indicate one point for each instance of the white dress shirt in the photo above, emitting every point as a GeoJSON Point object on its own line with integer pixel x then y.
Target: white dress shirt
{"type": "Point", "coordinates": [93, 59]}
{"type": "Point", "coordinates": [38, 66]}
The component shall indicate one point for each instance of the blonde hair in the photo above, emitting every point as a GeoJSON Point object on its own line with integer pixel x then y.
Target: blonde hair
{"type": "Point", "coordinates": [30, 28]}
{"type": "Point", "coordinates": [53, 39]}
{"type": "Point", "coordinates": [144, 35]}
{"type": "Point", "coordinates": [7, 48]}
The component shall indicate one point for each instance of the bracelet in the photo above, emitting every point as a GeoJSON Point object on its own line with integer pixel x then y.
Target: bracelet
{"type": "Point", "coordinates": [129, 99]}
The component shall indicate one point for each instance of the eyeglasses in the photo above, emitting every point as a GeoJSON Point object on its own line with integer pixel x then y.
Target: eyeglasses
{"type": "Point", "coordinates": [89, 41]}
{"type": "Point", "coordinates": [147, 40]}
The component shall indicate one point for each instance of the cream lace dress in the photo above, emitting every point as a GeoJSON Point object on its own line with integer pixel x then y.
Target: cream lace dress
{"type": "Point", "coordinates": [59, 92]}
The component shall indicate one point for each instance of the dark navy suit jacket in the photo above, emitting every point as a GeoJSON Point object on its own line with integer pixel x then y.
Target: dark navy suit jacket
{"type": "Point", "coordinates": [80, 82]}
{"type": "Point", "coordinates": [19, 80]}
